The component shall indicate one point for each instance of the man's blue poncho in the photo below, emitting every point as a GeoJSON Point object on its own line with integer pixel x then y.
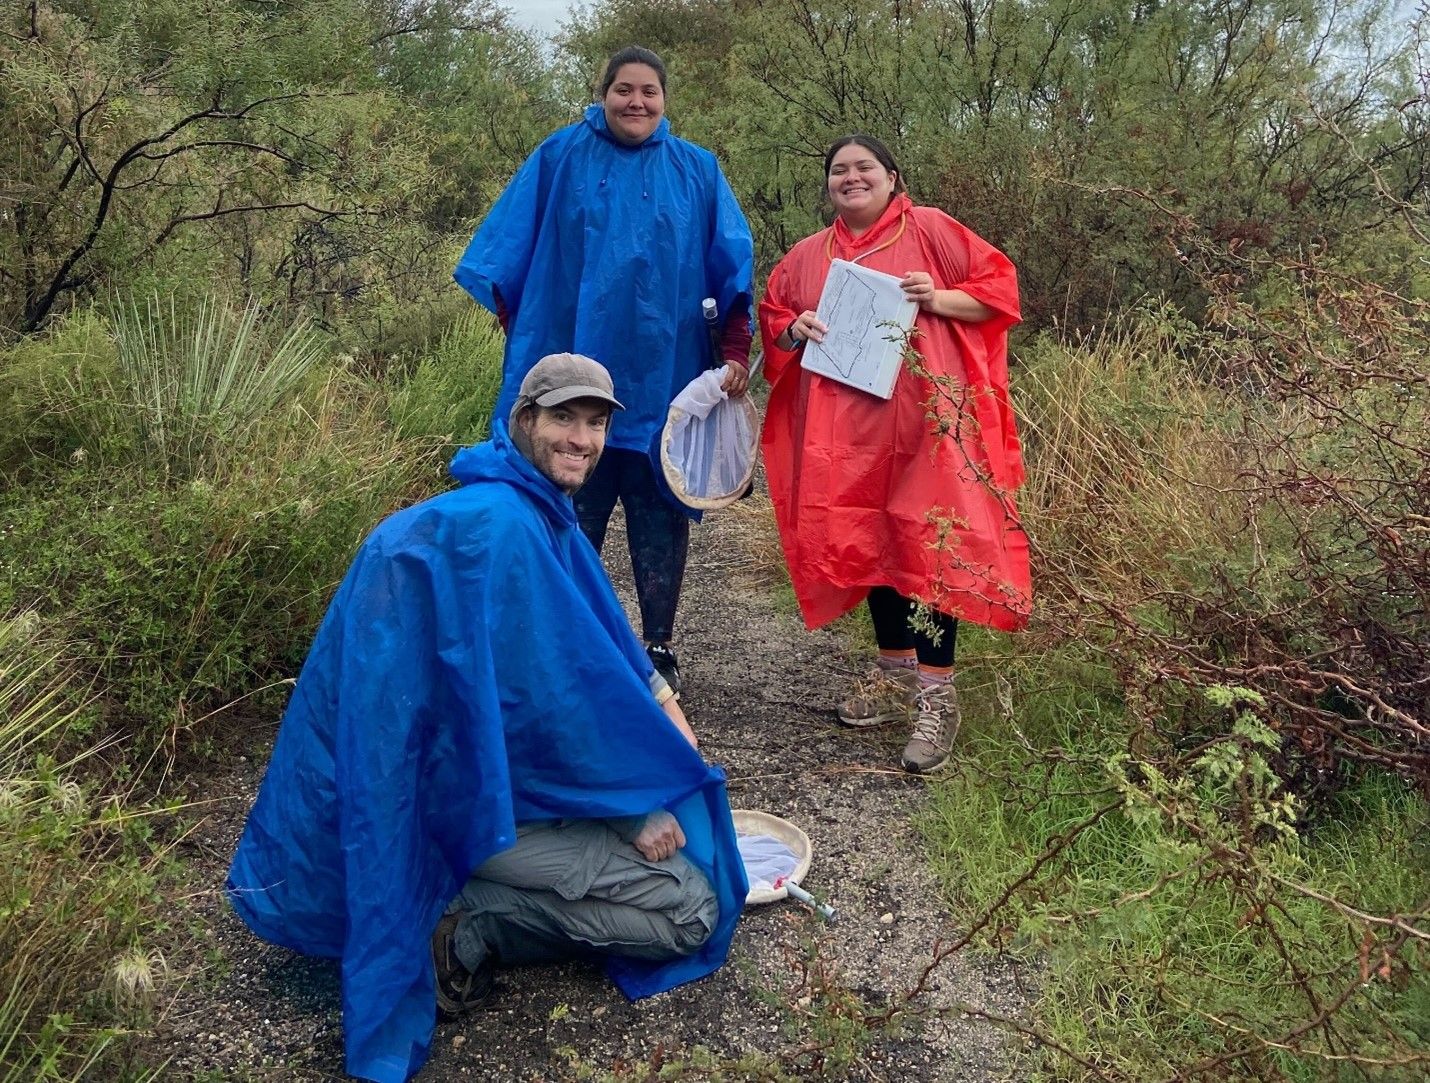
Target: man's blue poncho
{"type": "Point", "coordinates": [474, 670]}
{"type": "Point", "coordinates": [607, 250]}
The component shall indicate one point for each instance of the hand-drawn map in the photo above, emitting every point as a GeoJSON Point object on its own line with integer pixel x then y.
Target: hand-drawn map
{"type": "Point", "coordinates": [867, 314]}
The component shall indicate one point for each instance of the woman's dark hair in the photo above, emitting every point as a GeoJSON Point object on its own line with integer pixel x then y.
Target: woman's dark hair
{"type": "Point", "coordinates": [632, 54]}
{"type": "Point", "coordinates": [873, 146]}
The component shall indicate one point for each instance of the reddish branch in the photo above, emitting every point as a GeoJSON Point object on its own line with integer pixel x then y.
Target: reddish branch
{"type": "Point", "coordinates": [1333, 636]}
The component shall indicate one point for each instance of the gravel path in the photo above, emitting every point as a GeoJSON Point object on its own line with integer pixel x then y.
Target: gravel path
{"type": "Point", "coordinates": [759, 692]}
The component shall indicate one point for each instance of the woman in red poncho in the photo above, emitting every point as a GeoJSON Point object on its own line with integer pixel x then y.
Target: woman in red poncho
{"type": "Point", "coordinates": [909, 500]}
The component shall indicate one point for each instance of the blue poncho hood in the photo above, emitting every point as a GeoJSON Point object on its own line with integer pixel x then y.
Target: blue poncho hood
{"type": "Point", "coordinates": [474, 670]}
{"type": "Point", "coordinates": [607, 250]}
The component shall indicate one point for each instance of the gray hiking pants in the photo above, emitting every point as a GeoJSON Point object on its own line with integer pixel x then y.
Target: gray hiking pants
{"type": "Point", "coordinates": [576, 888]}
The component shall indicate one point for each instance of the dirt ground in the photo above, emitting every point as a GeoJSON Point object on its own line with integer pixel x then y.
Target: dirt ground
{"type": "Point", "coordinates": [760, 692]}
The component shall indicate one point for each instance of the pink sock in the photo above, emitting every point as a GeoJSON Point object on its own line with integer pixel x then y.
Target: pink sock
{"type": "Point", "coordinates": [898, 660]}
{"type": "Point", "coordinates": [930, 676]}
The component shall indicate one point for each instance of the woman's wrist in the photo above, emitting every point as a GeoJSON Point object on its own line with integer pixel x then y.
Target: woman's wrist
{"type": "Point", "coordinates": [794, 340]}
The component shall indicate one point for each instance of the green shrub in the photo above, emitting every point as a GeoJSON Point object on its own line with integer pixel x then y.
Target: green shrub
{"type": "Point", "coordinates": [38, 415]}
{"type": "Point", "coordinates": [1182, 917]}
{"type": "Point", "coordinates": [168, 385]}
{"type": "Point", "coordinates": [188, 484]}
{"type": "Point", "coordinates": [1243, 504]}
{"type": "Point", "coordinates": [1196, 784]}
{"type": "Point", "coordinates": [180, 597]}
{"type": "Point", "coordinates": [394, 331]}
{"type": "Point", "coordinates": [1192, 786]}
{"type": "Point", "coordinates": [450, 394]}
{"type": "Point", "coordinates": [195, 384]}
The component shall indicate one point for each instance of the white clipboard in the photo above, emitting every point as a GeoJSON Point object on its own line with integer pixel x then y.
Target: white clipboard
{"type": "Point", "coordinates": [868, 318]}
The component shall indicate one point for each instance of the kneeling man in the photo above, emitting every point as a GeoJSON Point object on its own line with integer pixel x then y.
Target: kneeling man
{"type": "Point", "coordinates": [479, 765]}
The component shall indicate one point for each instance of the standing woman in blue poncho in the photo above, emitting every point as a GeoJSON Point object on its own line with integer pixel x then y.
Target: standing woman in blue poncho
{"type": "Point", "coordinates": [604, 244]}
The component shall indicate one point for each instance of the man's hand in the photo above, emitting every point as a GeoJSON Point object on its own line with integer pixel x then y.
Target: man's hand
{"type": "Point", "coordinates": [661, 836]}
{"type": "Point", "coordinates": [672, 708]}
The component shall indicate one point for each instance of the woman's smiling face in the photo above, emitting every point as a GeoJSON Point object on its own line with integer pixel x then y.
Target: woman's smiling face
{"type": "Point", "coordinates": [634, 104]}
{"type": "Point", "coordinates": [859, 186]}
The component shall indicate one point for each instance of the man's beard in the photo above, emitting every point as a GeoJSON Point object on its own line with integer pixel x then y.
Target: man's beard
{"type": "Point", "coordinates": [521, 440]}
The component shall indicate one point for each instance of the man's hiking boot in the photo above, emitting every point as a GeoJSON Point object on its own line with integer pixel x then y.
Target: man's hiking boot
{"type": "Point", "coordinates": [934, 729]}
{"type": "Point", "coordinates": [663, 658]}
{"type": "Point", "coordinates": [886, 695]}
{"type": "Point", "coordinates": [459, 990]}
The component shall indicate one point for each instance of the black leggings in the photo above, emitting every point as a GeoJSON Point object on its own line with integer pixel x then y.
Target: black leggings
{"type": "Point", "coordinates": [891, 613]}
{"type": "Point", "coordinates": [657, 532]}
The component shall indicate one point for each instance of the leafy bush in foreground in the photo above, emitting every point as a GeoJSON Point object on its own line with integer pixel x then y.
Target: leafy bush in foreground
{"type": "Point", "coordinates": [181, 599]}
{"type": "Point", "coordinates": [1191, 928]}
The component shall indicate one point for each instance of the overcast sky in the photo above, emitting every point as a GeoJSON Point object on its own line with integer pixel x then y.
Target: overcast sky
{"type": "Point", "coordinates": [540, 15]}
{"type": "Point", "coordinates": [544, 15]}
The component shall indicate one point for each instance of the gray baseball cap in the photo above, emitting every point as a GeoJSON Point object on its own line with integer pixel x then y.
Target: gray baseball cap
{"type": "Point", "coordinates": [561, 377]}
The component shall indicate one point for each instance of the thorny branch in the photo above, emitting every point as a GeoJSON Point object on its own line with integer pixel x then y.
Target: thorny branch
{"type": "Point", "coordinates": [1314, 594]}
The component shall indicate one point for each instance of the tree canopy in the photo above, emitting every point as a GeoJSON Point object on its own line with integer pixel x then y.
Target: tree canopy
{"type": "Point", "coordinates": [332, 154]}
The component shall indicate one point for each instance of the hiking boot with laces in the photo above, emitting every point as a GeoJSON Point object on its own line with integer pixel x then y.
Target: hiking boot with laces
{"type": "Point", "coordinates": [663, 658]}
{"type": "Point", "coordinates": [458, 989]}
{"type": "Point", "coordinates": [884, 696]}
{"type": "Point", "coordinates": [934, 729]}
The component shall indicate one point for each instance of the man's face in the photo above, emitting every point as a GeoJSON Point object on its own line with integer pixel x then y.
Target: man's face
{"type": "Point", "coordinates": [567, 440]}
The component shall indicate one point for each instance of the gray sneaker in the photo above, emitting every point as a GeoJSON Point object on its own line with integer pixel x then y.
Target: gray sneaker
{"type": "Point", "coordinates": [934, 729]}
{"type": "Point", "coordinates": [886, 695]}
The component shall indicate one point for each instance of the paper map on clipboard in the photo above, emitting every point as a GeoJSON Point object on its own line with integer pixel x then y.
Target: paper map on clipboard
{"type": "Point", "coordinates": [867, 314]}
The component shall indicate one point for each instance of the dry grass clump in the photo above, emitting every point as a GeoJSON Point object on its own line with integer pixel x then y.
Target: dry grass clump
{"type": "Point", "coordinates": [1133, 460]}
{"type": "Point", "coordinates": [77, 882]}
{"type": "Point", "coordinates": [762, 562]}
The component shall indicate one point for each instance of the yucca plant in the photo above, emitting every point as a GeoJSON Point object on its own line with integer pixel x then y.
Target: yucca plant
{"type": "Point", "coordinates": [192, 382]}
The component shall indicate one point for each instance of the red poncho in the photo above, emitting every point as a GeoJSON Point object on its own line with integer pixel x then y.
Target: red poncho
{"type": "Point", "coordinates": [866, 493]}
